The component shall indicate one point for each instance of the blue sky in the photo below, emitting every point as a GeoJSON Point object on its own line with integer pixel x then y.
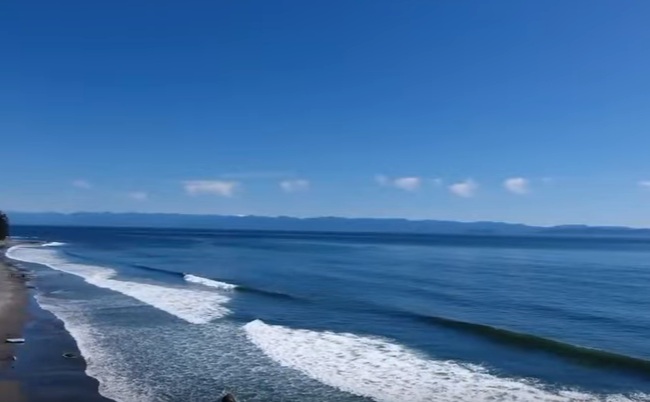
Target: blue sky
{"type": "Point", "coordinates": [521, 111]}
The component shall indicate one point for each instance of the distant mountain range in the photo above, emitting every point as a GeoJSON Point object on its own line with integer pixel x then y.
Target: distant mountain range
{"type": "Point", "coordinates": [323, 224]}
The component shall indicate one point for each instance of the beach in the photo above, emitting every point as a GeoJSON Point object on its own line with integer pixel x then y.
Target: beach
{"type": "Point", "coordinates": [13, 314]}
{"type": "Point", "coordinates": [37, 370]}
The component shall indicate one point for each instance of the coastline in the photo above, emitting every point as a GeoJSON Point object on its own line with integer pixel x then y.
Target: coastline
{"type": "Point", "coordinates": [36, 371]}
{"type": "Point", "coordinates": [13, 316]}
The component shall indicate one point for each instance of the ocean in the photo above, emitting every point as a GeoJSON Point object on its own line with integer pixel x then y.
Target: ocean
{"type": "Point", "coordinates": [186, 315]}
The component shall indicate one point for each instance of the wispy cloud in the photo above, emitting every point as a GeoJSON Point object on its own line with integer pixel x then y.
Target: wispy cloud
{"type": "Point", "coordinates": [215, 187]}
{"type": "Point", "coordinates": [517, 185]}
{"type": "Point", "coordinates": [292, 186]}
{"type": "Point", "coordinates": [644, 183]}
{"type": "Point", "coordinates": [139, 195]}
{"type": "Point", "coordinates": [465, 189]}
{"type": "Point", "coordinates": [80, 183]}
{"type": "Point", "coordinates": [407, 183]}
{"type": "Point", "coordinates": [403, 183]}
{"type": "Point", "coordinates": [382, 180]}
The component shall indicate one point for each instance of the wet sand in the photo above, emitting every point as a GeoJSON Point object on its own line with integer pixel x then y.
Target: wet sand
{"type": "Point", "coordinates": [13, 315]}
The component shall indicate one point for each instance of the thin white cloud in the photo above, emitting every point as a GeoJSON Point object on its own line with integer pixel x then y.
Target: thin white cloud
{"type": "Point", "coordinates": [215, 187]}
{"type": "Point", "coordinates": [407, 183]}
{"type": "Point", "coordinates": [139, 195]}
{"type": "Point", "coordinates": [403, 183]}
{"type": "Point", "coordinates": [517, 185]}
{"type": "Point", "coordinates": [644, 183]}
{"type": "Point", "coordinates": [80, 183]}
{"type": "Point", "coordinates": [292, 186]}
{"type": "Point", "coordinates": [465, 189]}
{"type": "Point", "coordinates": [437, 181]}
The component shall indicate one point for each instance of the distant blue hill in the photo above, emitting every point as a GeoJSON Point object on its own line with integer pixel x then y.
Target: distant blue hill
{"type": "Point", "coordinates": [323, 224]}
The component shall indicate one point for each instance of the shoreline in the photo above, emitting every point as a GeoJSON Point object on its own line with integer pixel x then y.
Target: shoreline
{"type": "Point", "coordinates": [13, 317]}
{"type": "Point", "coordinates": [36, 371]}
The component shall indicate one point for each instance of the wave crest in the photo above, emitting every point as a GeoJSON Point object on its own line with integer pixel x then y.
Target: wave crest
{"type": "Point", "coordinates": [581, 354]}
{"type": "Point", "coordinates": [209, 282]}
{"type": "Point", "coordinates": [387, 372]}
{"type": "Point", "coordinates": [192, 305]}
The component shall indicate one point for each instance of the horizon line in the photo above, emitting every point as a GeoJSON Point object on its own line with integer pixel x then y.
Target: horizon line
{"type": "Point", "coordinates": [8, 212]}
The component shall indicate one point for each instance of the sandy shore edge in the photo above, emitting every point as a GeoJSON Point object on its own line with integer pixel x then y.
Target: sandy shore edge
{"type": "Point", "coordinates": [13, 315]}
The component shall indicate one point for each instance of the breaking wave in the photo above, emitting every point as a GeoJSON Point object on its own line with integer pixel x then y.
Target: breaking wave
{"type": "Point", "coordinates": [209, 282]}
{"type": "Point", "coordinates": [387, 372]}
{"type": "Point", "coordinates": [192, 305]}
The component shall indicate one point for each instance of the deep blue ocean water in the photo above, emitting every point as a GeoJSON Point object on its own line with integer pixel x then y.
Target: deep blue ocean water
{"type": "Point", "coordinates": [183, 315]}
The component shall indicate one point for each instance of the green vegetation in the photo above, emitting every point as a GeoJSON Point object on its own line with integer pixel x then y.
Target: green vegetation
{"type": "Point", "coordinates": [4, 226]}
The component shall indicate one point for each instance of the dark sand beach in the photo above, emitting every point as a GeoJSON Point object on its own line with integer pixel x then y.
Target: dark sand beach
{"type": "Point", "coordinates": [37, 371]}
{"type": "Point", "coordinates": [13, 311]}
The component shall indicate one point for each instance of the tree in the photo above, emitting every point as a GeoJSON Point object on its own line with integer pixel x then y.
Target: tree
{"type": "Point", "coordinates": [4, 226]}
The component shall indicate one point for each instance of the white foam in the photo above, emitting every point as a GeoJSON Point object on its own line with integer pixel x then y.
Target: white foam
{"type": "Point", "coordinates": [191, 305]}
{"type": "Point", "coordinates": [209, 282]}
{"type": "Point", "coordinates": [167, 360]}
{"type": "Point", "coordinates": [109, 369]}
{"type": "Point", "coordinates": [387, 372]}
{"type": "Point", "coordinates": [53, 244]}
